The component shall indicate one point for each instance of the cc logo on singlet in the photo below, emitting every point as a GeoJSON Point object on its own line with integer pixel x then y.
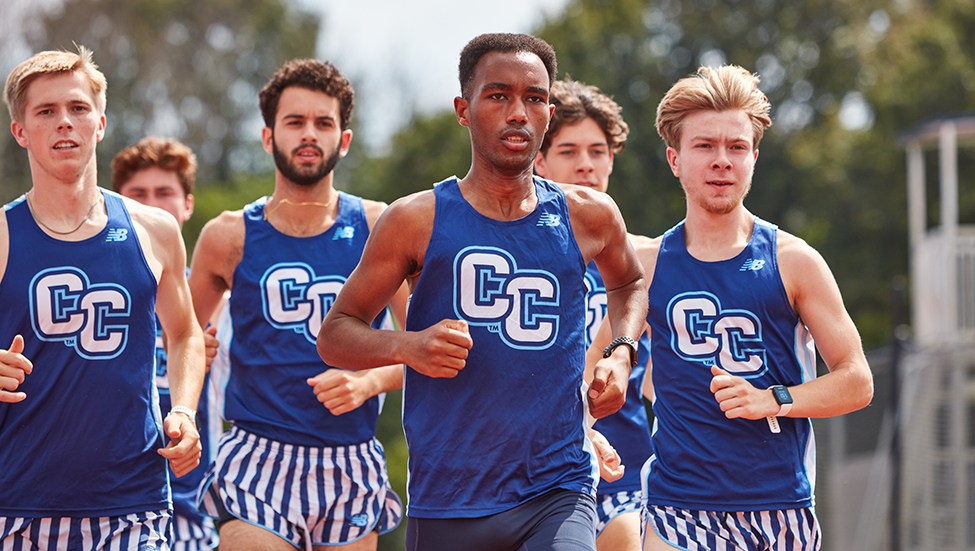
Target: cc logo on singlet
{"type": "Point", "coordinates": [521, 306]}
{"type": "Point", "coordinates": [703, 332]}
{"type": "Point", "coordinates": [294, 298]}
{"type": "Point", "coordinates": [595, 307]}
{"type": "Point", "coordinates": [91, 318]}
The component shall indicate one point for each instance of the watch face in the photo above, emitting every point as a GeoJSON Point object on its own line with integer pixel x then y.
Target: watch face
{"type": "Point", "coordinates": [782, 395]}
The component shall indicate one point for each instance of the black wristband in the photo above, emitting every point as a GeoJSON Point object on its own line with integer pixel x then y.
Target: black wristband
{"type": "Point", "coordinates": [608, 351]}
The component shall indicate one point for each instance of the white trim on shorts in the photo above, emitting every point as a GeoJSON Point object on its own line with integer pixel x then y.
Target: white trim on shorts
{"type": "Point", "coordinates": [610, 506]}
{"type": "Point", "coordinates": [278, 487]}
{"type": "Point", "coordinates": [145, 531]}
{"type": "Point", "coordinates": [777, 530]}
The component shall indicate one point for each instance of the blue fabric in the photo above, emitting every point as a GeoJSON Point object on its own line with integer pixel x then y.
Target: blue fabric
{"type": "Point", "coordinates": [84, 441]}
{"type": "Point", "coordinates": [559, 520]}
{"type": "Point", "coordinates": [628, 430]}
{"type": "Point", "coordinates": [510, 426]}
{"type": "Point", "coordinates": [282, 289]}
{"type": "Point", "coordinates": [735, 314]}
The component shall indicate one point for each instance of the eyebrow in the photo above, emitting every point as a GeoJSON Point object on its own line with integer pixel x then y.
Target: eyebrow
{"type": "Point", "coordinates": [603, 143]}
{"type": "Point", "coordinates": [300, 116]}
{"type": "Point", "coordinates": [497, 86]}
{"type": "Point", "coordinates": [716, 138]}
{"type": "Point", "coordinates": [75, 101]}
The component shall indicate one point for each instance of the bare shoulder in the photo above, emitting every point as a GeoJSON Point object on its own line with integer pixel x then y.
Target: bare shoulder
{"type": "Point", "coordinates": [412, 211]}
{"type": "Point", "coordinates": [373, 209]}
{"type": "Point", "coordinates": [226, 229]}
{"type": "Point", "coordinates": [803, 270]}
{"type": "Point", "coordinates": [646, 250]}
{"type": "Point", "coordinates": [153, 223]}
{"type": "Point", "coordinates": [583, 201]}
{"type": "Point", "coordinates": [592, 212]}
{"type": "Point", "coordinates": [794, 254]}
{"type": "Point", "coordinates": [152, 218]}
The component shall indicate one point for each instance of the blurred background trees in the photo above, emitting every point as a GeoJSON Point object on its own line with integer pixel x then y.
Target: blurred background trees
{"type": "Point", "coordinates": [181, 68]}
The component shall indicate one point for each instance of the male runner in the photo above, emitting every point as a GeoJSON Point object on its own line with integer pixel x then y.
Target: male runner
{"type": "Point", "coordinates": [161, 172]}
{"type": "Point", "coordinates": [495, 344]}
{"type": "Point", "coordinates": [301, 466]}
{"type": "Point", "coordinates": [586, 132]}
{"type": "Point", "coordinates": [84, 273]}
{"type": "Point", "coordinates": [735, 304]}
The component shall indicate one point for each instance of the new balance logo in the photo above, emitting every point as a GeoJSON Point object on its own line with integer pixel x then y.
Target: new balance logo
{"type": "Point", "coordinates": [550, 220]}
{"type": "Point", "coordinates": [752, 264]}
{"type": "Point", "coordinates": [345, 232]}
{"type": "Point", "coordinates": [116, 235]}
{"type": "Point", "coordinates": [359, 520]}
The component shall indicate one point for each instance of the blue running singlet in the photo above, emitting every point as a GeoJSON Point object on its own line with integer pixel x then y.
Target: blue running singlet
{"type": "Point", "coordinates": [282, 289]}
{"type": "Point", "coordinates": [734, 314]}
{"type": "Point", "coordinates": [510, 427]}
{"type": "Point", "coordinates": [83, 443]}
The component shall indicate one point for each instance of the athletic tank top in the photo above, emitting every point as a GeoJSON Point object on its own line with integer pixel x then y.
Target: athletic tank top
{"type": "Point", "coordinates": [185, 487]}
{"type": "Point", "coordinates": [628, 430]}
{"type": "Point", "coordinates": [282, 289]}
{"type": "Point", "coordinates": [510, 426]}
{"type": "Point", "coordinates": [83, 443]}
{"type": "Point", "coordinates": [734, 314]}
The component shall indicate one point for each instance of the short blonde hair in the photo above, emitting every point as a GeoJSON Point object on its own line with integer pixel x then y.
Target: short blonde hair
{"type": "Point", "coordinates": [51, 63]}
{"type": "Point", "coordinates": [725, 88]}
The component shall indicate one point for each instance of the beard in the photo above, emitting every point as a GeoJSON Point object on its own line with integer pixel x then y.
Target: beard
{"type": "Point", "coordinates": [719, 205]}
{"type": "Point", "coordinates": [304, 176]}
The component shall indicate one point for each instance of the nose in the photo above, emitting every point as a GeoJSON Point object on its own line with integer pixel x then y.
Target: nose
{"type": "Point", "coordinates": [64, 121]}
{"type": "Point", "coordinates": [518, 113]}
{"type": "Point", "coordinates": [585, 165]}
{"type": "Point", "coordinates": [308, 134]}
{"type": "Point", "coordinates": [721, 159]}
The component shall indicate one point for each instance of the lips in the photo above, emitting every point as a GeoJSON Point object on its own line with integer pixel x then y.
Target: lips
{"type": "Point", "coordinates": [65, 145]}
{"type": "Point", "coordinates": [308, 154]}
{"type": "Point", "coordinates": [516, 139]}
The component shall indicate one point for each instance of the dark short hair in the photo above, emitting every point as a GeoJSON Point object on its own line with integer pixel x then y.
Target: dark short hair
{"type": "Point", "coordinates": [575, 101]}
{"type": "Point", "coordinates": [502, 42]}
{"type": "Point", "coordinates": [311, 74]}
{"type": "Point", "coordinates": [165, 153]}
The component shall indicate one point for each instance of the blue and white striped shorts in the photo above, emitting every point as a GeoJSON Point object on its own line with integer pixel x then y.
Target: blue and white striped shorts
{"type": "Point", "coordinates": [189, 535]}
{"type": "Point", "coordinates": [610, 506]}
{"type": "Point", "coordinates": [787, 529]}
{"type": "Point", "coordinates": [308, 496]}
{"type": "Point", "coordinates": [136, 532]}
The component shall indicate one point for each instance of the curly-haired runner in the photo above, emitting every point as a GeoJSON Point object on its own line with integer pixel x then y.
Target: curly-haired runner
{"type": "Point", "coordinates": [301, 466]}
{"type": "Point", "coordinates": [586, 132]}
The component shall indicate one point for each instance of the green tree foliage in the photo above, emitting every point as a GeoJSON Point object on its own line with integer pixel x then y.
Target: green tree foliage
{"type": "Point", "coordinates": [425, 151]}
{"type": "Point", "coordinates": [806, 55]}
{"type": "Point", "coordinates": [181, 68]}
{"type": "Point", "coordinates": [844, 79]}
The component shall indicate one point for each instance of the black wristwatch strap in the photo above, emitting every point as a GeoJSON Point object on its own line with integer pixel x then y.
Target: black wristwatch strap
{"type": "Point", "coordinates": [608, 351]}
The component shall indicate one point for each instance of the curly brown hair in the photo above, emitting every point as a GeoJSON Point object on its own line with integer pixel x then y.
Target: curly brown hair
{"type": "Point", "coordinates": [311, 74]}
{"type": "Point", "coordinates": [575, 101]}
{"type": "Point", "coordinates": [713, 89]}
{"type": "Point", "coordinates": [165, 153]}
